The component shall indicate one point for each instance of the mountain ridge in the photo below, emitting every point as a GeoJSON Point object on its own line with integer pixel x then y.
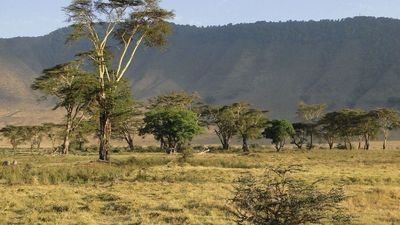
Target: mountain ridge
{"type": "Point", "coordinates": [352, 62]}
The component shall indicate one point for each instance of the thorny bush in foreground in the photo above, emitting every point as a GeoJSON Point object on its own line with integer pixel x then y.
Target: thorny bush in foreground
{"type": "Point", "coordinates": [277, 198]}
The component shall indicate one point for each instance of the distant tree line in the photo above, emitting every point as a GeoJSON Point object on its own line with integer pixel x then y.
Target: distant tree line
{"type": "Point", "coordinates": [175, 118]}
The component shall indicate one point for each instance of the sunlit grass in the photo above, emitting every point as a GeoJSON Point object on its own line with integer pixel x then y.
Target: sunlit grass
{"type": "Point", "coordinates": [154, 188]}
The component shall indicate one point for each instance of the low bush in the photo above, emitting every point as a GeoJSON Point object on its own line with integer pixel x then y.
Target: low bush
{"type": "Point", "coordinates": [279, 199]}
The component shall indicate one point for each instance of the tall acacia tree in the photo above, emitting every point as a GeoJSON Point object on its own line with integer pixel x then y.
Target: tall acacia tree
{"type": "Point", "coordinates": [310, 114]}
{"type": "Point", "coordinates": [130, 22]}
{"type": "Point", "coordinates": [248, 122]}
{"type": "Point", "coordinates": [73, 90]}
{"type": "Point", "coordinates": [223, 121]}
{"type": "Point", "coordinates": [388, 119]}
{"type": "Point", "coordinates": [15, 134]}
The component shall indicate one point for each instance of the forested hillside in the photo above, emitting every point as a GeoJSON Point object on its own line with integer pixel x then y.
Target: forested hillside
{"type": "Point", "coordinates": [347, 63]}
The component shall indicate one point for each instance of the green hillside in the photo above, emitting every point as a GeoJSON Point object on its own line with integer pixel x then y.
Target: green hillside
{"type": "Point", "coordinates": [347, 63]}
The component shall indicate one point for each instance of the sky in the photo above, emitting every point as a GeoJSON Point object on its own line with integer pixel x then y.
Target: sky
{"type": "Point", "coordinates": [40, 17]}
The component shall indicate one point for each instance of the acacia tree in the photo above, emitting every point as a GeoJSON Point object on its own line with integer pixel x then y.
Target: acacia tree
{"type": "Point", "coordinates": [279, 131]}
{"type": "Point", "coordinates": [329, 127]}
{"type": "Point", "coordinates": [223, 121]}
{"type": "Point", "coordinates": [299, 137]}
{"type": "Point", "coordinates": [16, 135]}
{"type": "Point", "coordinates": [176, 99]}
{"type": "Point", "coordinates": [347, 125]}
{"type": "Point", "coordinates": [387, 119]}
{"type": "Point", "coordinates": [248, 122]}
{"type": "Point", "coordinates": [73, 90]}
{"type": "Point", "coordinates": [366, 124]}
{"type": "Point", "coordinates": [35, 135]}
{"type": "Point", "coordinates": [131, 23]}
{"type": "Point", "coordinates": [54, 134]}
{"type": "Point", "coordinates": [127, 115]}
{"type": "Point", "coordinates": [310, 114]}
{"type": "Point", "coordinates": [81, 134]}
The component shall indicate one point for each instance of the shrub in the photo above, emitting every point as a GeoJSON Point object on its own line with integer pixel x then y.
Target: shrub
{"type": "Point", "coordinates": [279, 199]}
{"type": "Point", "coordinates": [187, 153]}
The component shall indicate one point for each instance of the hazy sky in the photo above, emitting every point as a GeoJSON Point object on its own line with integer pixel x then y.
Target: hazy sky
{"type": "Point", "coordinates": [39, 17]}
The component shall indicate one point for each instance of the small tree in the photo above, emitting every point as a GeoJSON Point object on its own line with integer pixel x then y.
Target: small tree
{"type": "Point", "coordinates": [279, 131]}
{"type": "Point", "coordinates": [299, 138]}
{"type": "Point", "coordinates": [16, 135]}
{"type": "Point", "coordinates": [344, 124]}
{"type": "Point", "coordinates": [171, 126]}
{"type": "Point", "coordinates": [35, 135]}
{"type": "Point", "coordinates": [248, 122]}
{"type": "Point", "coordinates": [329, 127]}
{"type": "Point", "coordinates": [81, 134]}
{"type": "Point", "coordinates": [280, 199]}
{"type": "Point", "coordinates": [126, 115]}
{"type": "Point", "coordinates": [366, 124]}
{"type": "Point", "coordinates": [223, 121]}
{"type": "Point", "coordinates": [55, 133]}
{"type": "Point", "coordinates": [310, 114]}
{"type": "Point", "coordinates": [74, 91]}
{"type": "Point", "coordinates": [388, 119]}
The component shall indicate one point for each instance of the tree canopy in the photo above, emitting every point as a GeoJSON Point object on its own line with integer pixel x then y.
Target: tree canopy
{"type": "Point", "coordinates": [171, 126]}
{"type": "Point", "coordinates": [279, 131]}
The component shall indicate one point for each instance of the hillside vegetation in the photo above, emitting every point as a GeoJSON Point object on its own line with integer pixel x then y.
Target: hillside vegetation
{"type": "Point", "coordinates": [347, 63]}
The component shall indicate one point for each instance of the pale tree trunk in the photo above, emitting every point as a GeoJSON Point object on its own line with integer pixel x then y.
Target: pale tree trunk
{"type": "Point", "coordinates": [366, 137]}
{"type": "Point", "coordinates": [330, 142]}
{"type": "Point", "coordinates": [385, 137]}
{"type": "Point", "coordinates": [66, 141]}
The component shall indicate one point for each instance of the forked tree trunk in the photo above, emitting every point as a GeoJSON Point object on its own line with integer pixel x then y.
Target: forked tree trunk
{"type": "Point", "coordinates": [279, 146]}
{"type": "Point", "coordinates": [225, 145]}
{"type": "Point", "coordinates": [105, 134]}
{"type": "Point", "coordinates": [224, 139]}
{"type": "Point", "coordinates": [330, 141]}
{"type": "Point", "coordinates": [129, 141]}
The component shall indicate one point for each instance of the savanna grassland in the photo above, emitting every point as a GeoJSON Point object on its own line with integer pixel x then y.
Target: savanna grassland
{"type": "Point", "coordinates": [155, 188]}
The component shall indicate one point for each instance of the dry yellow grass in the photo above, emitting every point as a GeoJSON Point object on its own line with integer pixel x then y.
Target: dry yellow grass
{"type": "Point", "coordinates": [157, 189]}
